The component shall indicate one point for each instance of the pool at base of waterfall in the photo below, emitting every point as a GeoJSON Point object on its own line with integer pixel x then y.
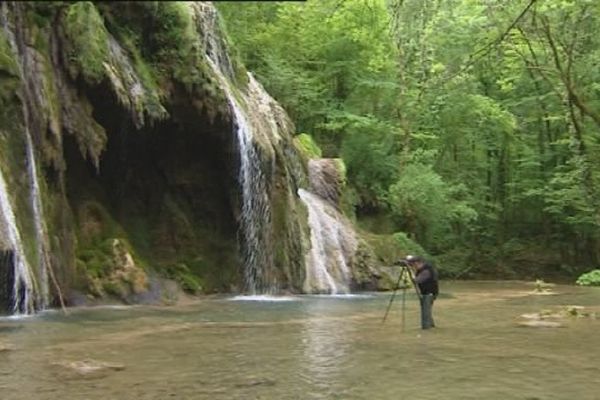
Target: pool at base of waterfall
{"type": "Point", "coordinates": [314, 347]}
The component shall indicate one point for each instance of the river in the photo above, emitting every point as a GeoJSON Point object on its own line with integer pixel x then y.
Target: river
{"type": "Point", "coordinates": [310, 347]}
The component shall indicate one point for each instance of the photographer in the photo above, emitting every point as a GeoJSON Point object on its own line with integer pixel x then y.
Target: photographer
{"type": "Point", "coordinates": [426, 278]}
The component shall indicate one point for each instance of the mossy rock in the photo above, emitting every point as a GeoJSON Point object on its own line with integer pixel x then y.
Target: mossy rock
{"type": "Point", "coordinates": [87, 48]}
{"type": "Point", "coordinates": [307, 146]}
{"type": "Point", "coordinates": [8, 64]}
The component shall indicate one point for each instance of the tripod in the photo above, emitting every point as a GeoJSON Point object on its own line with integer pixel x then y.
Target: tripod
{"type": "Point", "coordinates": [403, 273]}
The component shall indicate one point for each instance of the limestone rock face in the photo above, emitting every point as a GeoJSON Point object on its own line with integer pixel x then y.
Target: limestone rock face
{"type": "Point", "coordinates": [130, 112]}
{"type": "Point", "coordinates": [338, 261]}
{"type": "Point", "coordinates": [326, 179]}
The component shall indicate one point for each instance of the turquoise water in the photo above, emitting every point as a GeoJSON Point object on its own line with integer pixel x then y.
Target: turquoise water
{"type": "Point", "coordinates": [311, 347]}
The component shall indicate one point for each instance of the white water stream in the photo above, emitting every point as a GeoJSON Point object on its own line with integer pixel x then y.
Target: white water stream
{"type": "Point", "coordinates": [40, 225]}
{"type": "Point", "coordinates": [331, 242]}
{"type": "Point", "coordinates": [23, 281]}
{"type": "Point", "coordinates": [255, 220]}
{"type": "Point", "coordinates": [26, 294]}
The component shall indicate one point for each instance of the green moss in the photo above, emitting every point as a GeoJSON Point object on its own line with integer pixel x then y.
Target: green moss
{"type": "Point", "coordinates": [279, 211]}
{"type": "Point", "coordinates": [307, 146]}
{"type": "Point", "coordinates": [96, 232]}
{"type": "Point", "coordinates": [8, 64]}
{"type": "Point", "coordinates": [174, 43]}
{"type": "Point", "coordinates": [341, 168]}
{"type": "Point", "coordinates": [187, 280]}
{"type": "Point", "coordinates": [175, 34]}
{"type": "Point", "coordinates": [97, 258]}
{"type": "Point", "coordinates": [88, 41]}
{"type": "Point", "coordinates": [239, 70]}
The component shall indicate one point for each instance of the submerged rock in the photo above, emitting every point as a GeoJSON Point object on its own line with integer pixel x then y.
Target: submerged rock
{"type": "Point", "coordinates": [550, 318]}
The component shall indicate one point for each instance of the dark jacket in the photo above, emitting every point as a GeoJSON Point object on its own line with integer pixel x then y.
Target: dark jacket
{"type": "Point", "coordinates": [427, 279]}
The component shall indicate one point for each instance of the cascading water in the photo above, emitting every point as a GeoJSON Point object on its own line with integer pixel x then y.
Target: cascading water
{"type": "Point", "coordinates": [332, 238]}
{"type": "Point", "coordinates": [23, 287]}
{"type": "Point", "coordinates": [28, 293]}
{"type": "Point", "coordinates": [39, 221]}
{"type": "Point", "coordinates": [256, 211]}
{"type": "Point", "coordinates": [255, 221]}
{"type": "Point", "coordinates": [332, 242]}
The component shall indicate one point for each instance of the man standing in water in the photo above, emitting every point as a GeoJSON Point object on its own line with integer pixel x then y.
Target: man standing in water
{"type": "Point", "coordinates": [426, 278]}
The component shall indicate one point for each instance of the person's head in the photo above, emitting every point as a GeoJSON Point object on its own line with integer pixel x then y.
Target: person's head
{"type": "Point", "coordinates": [414, 261]}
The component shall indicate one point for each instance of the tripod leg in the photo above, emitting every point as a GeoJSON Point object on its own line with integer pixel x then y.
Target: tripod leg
{"type": "Point", "coordinates": [403, 304]}
{"type": "Point", "coordinates": [393, 296]}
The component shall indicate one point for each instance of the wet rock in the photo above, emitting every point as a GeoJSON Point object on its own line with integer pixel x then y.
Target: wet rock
{"type": "Point", "coordinates": [542, 319]}
{"type": "Point", "coordinates": [90, 369]}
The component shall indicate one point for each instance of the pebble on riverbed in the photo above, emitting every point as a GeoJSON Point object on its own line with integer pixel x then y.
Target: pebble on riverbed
{"type": "Point", "coordinates": [88, 368]}
{"type": "Point", "coordinates": [4, 347]}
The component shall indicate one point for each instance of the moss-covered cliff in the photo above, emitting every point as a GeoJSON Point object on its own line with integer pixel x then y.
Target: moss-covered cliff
{"type": "Point", "coordinates": [130, 109]}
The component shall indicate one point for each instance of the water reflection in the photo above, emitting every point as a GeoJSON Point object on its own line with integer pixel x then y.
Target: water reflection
{"type": "Point", "coordinates": [325, 351]}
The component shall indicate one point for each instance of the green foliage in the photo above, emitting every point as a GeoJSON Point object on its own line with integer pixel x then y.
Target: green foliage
{"type": "Point", "coordinates": [370, 155]}
{"type": "Point", "coordinates": [474, 137]}
{"type": "Point", "coordinates": [429, 206]}
{"type": "Point", "coordinates": [566, 197]}
{"type": "Point", "coordinates": [306, 144]}
{"type": "Point", "coordinates": [408, 245]}
{"type": "Point", "coordinates": [591, 278]}
{"type": "Point", "coordinates": [88, 40]}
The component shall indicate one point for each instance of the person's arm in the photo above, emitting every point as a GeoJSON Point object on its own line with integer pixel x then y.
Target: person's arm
{"type": "Point", "coordinates": [422, 276]}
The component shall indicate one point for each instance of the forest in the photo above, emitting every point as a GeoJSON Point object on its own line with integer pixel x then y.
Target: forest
{"type": "Point", "coordinates": [471, 126]}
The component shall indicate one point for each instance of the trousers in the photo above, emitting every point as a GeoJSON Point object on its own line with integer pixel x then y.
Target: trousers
{"type": "Point", "coordinates": [426, 311]}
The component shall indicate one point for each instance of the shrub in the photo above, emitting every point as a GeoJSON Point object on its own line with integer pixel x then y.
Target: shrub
{"type": "Point", "coordinates": [591, 278]}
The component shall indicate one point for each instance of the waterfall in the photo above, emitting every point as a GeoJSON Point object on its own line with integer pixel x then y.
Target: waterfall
{"type": "Point", "coordinates": [23, 288]}
{"type": "Point", "coordinates": [39, 221]}
{"type": "Point", "coordinates": [332, 238]}
{"type": "Point", "coordinates": [332, 245]}
{"type": "Point", "coordinates": [255, 220]}
{"type": "Point", "coordinates": [25, 295]}
{"type": "Point", "coordinates": [256, 211]}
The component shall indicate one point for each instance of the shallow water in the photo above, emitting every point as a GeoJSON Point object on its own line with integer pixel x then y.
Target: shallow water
{"type": "Point", "coordinates": [312, 347]}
